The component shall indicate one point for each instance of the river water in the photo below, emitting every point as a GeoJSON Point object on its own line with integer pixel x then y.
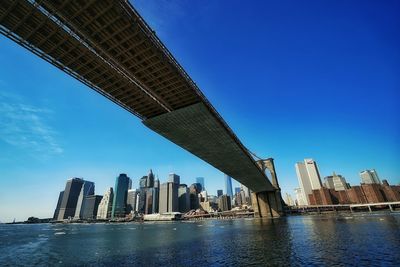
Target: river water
{"type": "Point", "coordinates": [359, 240]}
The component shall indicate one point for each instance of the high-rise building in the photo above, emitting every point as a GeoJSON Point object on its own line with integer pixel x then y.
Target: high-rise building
{"type": "Point", "coordinates": [183, 198]}
{"type": "Point", "coordinates": [309, 179]}
{"type": "Point", "coordinates": [336, 182]}
{"type": "Point", "coordinates": [90, 207]}
{"type": "Point", "coordinates": [220, 192]}
{"type": "Point", "coordinates": [143, 182]}
{"type": "Point", "coordinates": [174, 178]}
{"type": "Point", "coordinates": [168, 201]}
{"type": "Point", "coordinates": [120, 195]}
{"type": "Point", "coordinates": [150, 179]}
{"type": "Point", "coordinates": [300, 197]}
{"type": "Point", "coordinates": [194, 191]}
{"type": "Point", "coordinates": [224, 203]}
{"type": "Point", "coordinates": [70, 198]}
{"type": "Point", "coordinates": [237, 190]}
{"type": "Point", "coordinates": [156, 196]}
{"type": "Point", "coordinates": [369, 177]}
{"type": "Point", "coordinates": [142, 200]}
{"type": "Point", "coordinates": [313, 173]}
{"type": "Point", "coordinates": [105, 206]}
{"type": "Point", "coordinates": [149, 205]}
{"type": "Point", "coordinates": [131, 200]}
{"type": "Point", "coordinates": [247, 194]}
{"type": "Point", "coordinates": [200, 180]}
{"type": "Point", "coordinates": [289, 200]}
{"type": "Point", "coordinates": [228, 186]}
{"type": "Point", "coordinates": [57, 211]}
{"type": "Point", "coordinates": [86, 190]}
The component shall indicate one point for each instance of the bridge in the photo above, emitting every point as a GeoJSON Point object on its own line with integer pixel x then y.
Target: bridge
{"type": "Point", "coordinates": [108, 46]}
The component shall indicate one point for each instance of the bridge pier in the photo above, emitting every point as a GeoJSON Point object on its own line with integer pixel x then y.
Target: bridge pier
{"type": "Point", "coordinates": [267, 204]}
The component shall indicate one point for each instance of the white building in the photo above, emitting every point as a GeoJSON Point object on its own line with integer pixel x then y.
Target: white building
{"type": "Point", "coordinates": [105, 206]}
{"type": "Point", "coordinates": [309, 178]}
{"type": "Point", "coordinates": [336, 182]}
{"type": "Point", "coordinates": [369, 177]}
{"type": "Point", "coordinates": [300, 197]}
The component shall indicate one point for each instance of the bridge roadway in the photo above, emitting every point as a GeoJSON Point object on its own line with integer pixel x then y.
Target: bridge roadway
{"type": "Point", "coordinates": [108, 46]}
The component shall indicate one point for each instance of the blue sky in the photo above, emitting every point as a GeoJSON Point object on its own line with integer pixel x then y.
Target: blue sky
{"type": "Point", "coordinates": [293, 79]}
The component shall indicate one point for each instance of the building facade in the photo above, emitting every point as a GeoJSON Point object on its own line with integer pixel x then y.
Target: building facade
{"type": "Point", "coordinates": [369, 177]}
{"type": "Point", "coordinates": [122, 183]}
{"type": "Point", "coordinates": [105, 205]}
{"type": "Point", "coordinates": [86, 190]}
{"type": "Point", "coordinates": [228, 186]}
{"type": "Point", "coordinates": [70, 198]}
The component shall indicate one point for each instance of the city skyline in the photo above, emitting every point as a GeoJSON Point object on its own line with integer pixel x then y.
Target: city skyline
{"type": "Point", "coordinates": [57, 128]}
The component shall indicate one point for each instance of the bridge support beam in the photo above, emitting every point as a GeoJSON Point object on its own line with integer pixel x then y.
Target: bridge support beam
{"type": "Point", "coordinates": [267, 204]}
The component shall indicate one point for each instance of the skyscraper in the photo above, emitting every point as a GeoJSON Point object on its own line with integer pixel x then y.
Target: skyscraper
{"type": "Point", "coordinates": [57, 211]}
{"type": "Point", "coordinates": [228, 186]}
{"type": "Point", "coordinates": [90, 207]}
{"type": "Point", "coordinates": [150, 179]}
{"type": "Point", "coordinates": [200, 180]}
{"type": "Point", "coordinates": [183, 198]}
{"type": "Point", "coordinates": [168, 201]}
{"type": "Point", "coordinates": [313, 173]}
{"type": "Point", "coordinates": [308, 176]}
{"type": "Point", "coordinates": [237, 190]}
{"type": "Point", "coordinates": [156, 196]}
{"type": "Point", "coordinates": [70, 198]}
{"type": "Point", "coordinates": [220, 192]}
{"type": "Point", "coordinates": [86, 190]}
{"type": "Point", "coordinates": [174, 178]}
{"type": "Point", "coordinates": [336, 182]}
{"type": "Point", "coordinates": [105, 206]}
{"type": "Point", "coordinates": [131, 200]}
{"type": "Point", "coordinates": [369, 177]}
{"type": "Point", "coordinates": [120, 195]}
{"type": "Point", "coordinates": [224, 203]}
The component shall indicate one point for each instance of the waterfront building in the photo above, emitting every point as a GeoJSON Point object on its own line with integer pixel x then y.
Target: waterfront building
{"type": "Point", "coordinates": [200, 180]}
{"type": "Point", "coordinates": [90, 207]}
{"type": "Point", "coordinates": [224, 203]}
{"type": "Point", "coordinates": [183, 198]}
{"type": "Point", "coordinates": [57, 211]}
{"type": "Point", "coordinates": [86, 190]}
{"type": "Point", "coordinates": [149, 205]}
{"type": "Point", "coordinates": [105, 206]}
{"type": "Point", "coordinates": [289, 200]}
{"type": "Point", "coordinates": [304, 182]}
{"type": "Point", "coordinates": [220, 192]}
{"type": "Point", "coordinates": [142, 200]}
{"type": "Point", "coordinates": [194, 190]}
{"type": "Point", "coordinates": [300, 197]}
{"type": "Point", "coordinates": [156, 196]}
{"type": "Point", "coordinates": [150, 179]}
{"type": "Point", "coordinates": [336, 182]}
{"type": "Point", "coordinates": [120, 195]}
{"type": "Point", "coordinates": [309, 178]}
{"type": "Point", "coordinates": [168, 201]}
{"type": "Point", "coordinates": [313, 173]}
{"type": "Point", "coordinates": [131, 200]}
{"type": "Point", "coordinates": [70, 198]}
{"type": "Point", "coordinates": [228, 186]}
{"type": "Point", "coordinates": [143, 182]}
{"type": "Point", "coordinates": [174, 178]}
{"type": "Point", "coordinates": [369, 177]}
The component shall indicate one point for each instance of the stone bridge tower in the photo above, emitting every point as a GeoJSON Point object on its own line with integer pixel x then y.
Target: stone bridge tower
{"type": "Point", "coordinates": [268, 204]}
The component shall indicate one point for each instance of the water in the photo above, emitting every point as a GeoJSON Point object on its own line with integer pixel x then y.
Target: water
{"type": "Point", "coordinates": [308, 240]}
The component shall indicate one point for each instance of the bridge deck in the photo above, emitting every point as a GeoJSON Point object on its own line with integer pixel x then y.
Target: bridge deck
{"type": "Point", "coordinates": [107, 45]}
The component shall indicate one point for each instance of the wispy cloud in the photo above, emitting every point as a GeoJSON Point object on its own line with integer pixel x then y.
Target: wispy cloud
{"type": "Point", "coordinates": [24, 126]}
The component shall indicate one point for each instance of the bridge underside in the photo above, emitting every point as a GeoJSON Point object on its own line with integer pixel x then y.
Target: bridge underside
{"type": "Point", "coordinates": [106, 45]}
{"type": "Point", "coordinates": [197, 130]}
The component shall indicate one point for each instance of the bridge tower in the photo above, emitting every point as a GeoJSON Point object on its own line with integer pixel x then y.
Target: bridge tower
{"type": "Point", "coordinates": [268, 204]}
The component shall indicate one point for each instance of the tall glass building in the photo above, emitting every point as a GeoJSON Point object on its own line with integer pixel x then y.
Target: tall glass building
{"type": "Point", "coordinates": [122, 183]}
{"type": "Point", "coordinates": [70, 198]}
{"type": "Point", "coordinates": [228, 186]}
{"type": "Point", "coordinates": [200, 180]}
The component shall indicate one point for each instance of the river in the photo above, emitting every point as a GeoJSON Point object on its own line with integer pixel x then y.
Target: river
{"type": "Point", "coordinates": [345, 240]}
